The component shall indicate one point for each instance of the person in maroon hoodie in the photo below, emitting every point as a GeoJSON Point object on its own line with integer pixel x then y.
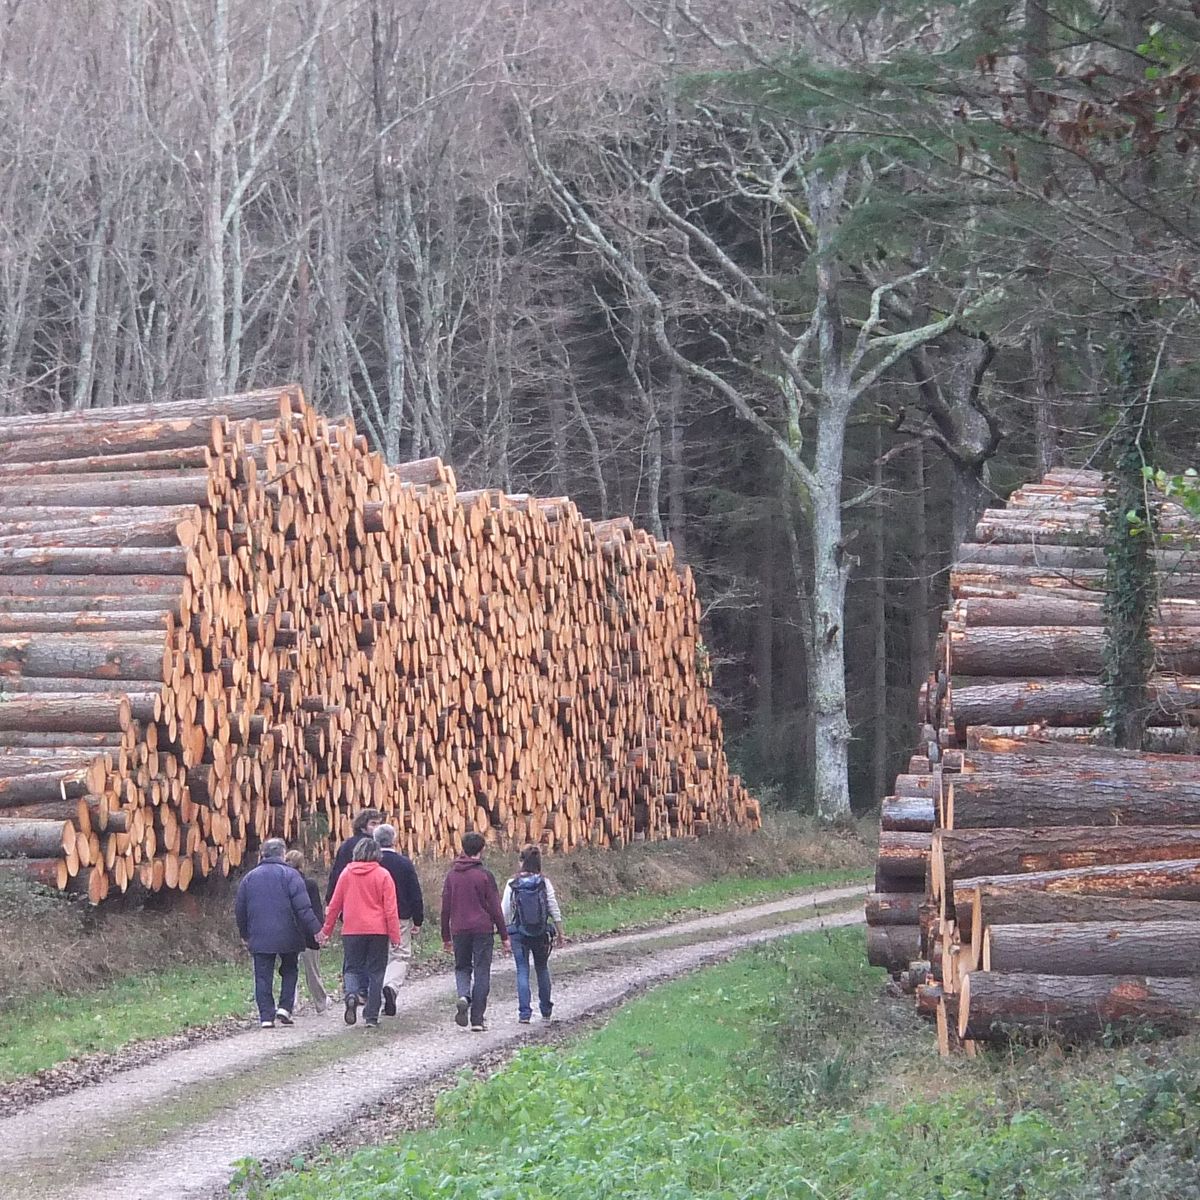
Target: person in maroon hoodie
{"type": "Point", "coordinates": [471, 915]}
{"type": "Point", "coordinates": [365, 899]}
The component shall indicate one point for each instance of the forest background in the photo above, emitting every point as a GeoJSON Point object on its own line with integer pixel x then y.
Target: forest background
{"type": "Point", "coordinates": [802, 287]}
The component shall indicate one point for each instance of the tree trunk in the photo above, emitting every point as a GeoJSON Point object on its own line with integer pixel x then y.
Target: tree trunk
{"type": "Point", "coordinates": [920, 646]}
{"type": "Point", "coordinates": [676, 466]}
{"type": "Point", "coordinates": [880, 717]}
{"type": "Point", "coordinates": [996, 1007]}
{"type": "Point", "coordinates": [827, 658]}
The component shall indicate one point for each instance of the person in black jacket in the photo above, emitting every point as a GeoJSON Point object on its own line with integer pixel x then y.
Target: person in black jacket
{"type": "Point", "coordinates": [311, 955]}
{"type": "Point", "coordinates": [410, 906]}
{"type": "Point", "coordinates": [363, 826]}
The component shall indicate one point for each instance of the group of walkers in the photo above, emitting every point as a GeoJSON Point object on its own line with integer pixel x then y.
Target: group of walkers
{"type": "Point", "coordinates": [373, 888]}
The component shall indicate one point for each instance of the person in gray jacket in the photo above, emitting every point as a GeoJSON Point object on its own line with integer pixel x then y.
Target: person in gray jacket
{"type": "Point", "coordinates": [273, 915]}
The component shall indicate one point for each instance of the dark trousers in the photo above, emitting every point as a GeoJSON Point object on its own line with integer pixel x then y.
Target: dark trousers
{"type": "Point", "coordinates": [473, 970]}
{"type": "Point", "coordinates": [522, 948]}
{"type": "Point", "coordinates": [366, 959]}
{"type": "Point", "coordinates": [264, 983]}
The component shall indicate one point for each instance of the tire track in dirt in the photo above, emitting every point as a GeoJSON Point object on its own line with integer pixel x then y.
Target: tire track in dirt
{"type": "Point", "coordinates": [178, 1126]}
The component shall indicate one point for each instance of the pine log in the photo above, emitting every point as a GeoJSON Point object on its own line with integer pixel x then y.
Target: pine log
{"type": "Point", "coordinates": [1050, 651]}
{"type": "Point", "coordinates": [906, 814]}
{"type": "Point", "coordinates": [1040, 557]}
{"type": "Point", "coordinates": [903, 854]}
{"type": "Point", "coordinates": [88, 561]}
{"type": "Point", "coordinates": [81, 620]}
{"type": "Point", "coordinates": [893, 947]}
{"type": "Point", "coordinates": [100, 712]}
{"type": "Point", "coordinates": [894, 908]}
{"type": "Point", "coordinates": [1163, 948]}
{"type": "Point", "coordinates": [49, 872]}
{"type": "Point", "coordinates": [1158, 739]}
{"type": "Point", "coordinates": [183, 487]}
{"type": "Point", "coordinates": [975, 897]}
{"type": "Point", "coordinates": [961, 854]}
{"type": "Point", "coordinates": [1003, 906]}
{"type": "Point", "coordinates": [1035, 610]}
{"type": "Point", "coordinates": [995, 1006]}
{"type": "Point", "coordinates": [34, 839]}
{"type": "Point", "coordinates": [1028, 798]}
{"type": "Point", "coordinates": [127, 656]}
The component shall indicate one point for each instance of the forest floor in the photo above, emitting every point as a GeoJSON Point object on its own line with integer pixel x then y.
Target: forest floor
{"type": "Point", "coordinates": [185, 1123]}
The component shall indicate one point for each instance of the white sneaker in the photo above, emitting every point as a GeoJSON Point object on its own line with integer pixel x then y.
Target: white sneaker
{"type": "Point", "coordinates": [266, 1024]}
{"type": "Point", "coordinates": [283, 1016]}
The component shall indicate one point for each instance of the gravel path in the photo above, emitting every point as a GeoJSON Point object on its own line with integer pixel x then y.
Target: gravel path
{"type": "Point", "coordinates": [177, 1127]}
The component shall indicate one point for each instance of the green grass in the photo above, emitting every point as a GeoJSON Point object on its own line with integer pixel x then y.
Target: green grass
{"type": "Point", "coordinates": [40, 1031]}
{"type": "Point", "coordinates": [783, 1075]}
{"type": "Point", "coordinates": [47, 1029]}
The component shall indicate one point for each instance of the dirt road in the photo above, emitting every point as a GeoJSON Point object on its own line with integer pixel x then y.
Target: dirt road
{"type": "Point", "coordinates": [176, 1128]}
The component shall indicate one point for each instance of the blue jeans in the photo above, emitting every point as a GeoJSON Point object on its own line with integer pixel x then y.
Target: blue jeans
{"type": "Point", "coordinates": [366, 959]}
{"type": "Point", "coordinates": [522, 948]}
{"type": "Point", "coordinates": [264, 983]}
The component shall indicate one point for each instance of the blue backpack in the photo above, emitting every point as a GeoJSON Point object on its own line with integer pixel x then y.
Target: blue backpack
{"type": "Point", "coordinates": [530, 906]}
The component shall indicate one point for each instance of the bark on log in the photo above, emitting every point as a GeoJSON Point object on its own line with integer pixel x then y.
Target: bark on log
{"type": "Point", "coordinates": [34, 839]}
{"type": "Point", "coordinates": [1029, 610]}
{"type": "Point", "coordinates": [961, 854]}
{"type": "Point", "coordinates": [1050, 651]}
{"type": "Point", "coordinates": [903, 854]}
{"type": "Point", "coordinates": [1158, 739]}
{"type": "Point", "coordinates": [894, 908]}
{"type": "Point", "coordinates": [1162, 948]}
{"type": "Point", "coordinates": [893, 947]}
{"type": "Point", "coordinates": [1002, 906]}
{"type": "Point", "coordinates": [1038, 557]}
{"type": "Point", "coordinates": [128, 656]}
{"type": "Point", "coordinates": [1028, 798]}
{"type": "Point", "coordinates": [84, 620]}
{"type": "Point", "coordinates": [87, 561]}
{"type": "Point", "coordinates": [102, 712]}
{"type": "Point", "coordinates": [906, 814]}
{"type": "Point", "coordinates": [996, 1007]}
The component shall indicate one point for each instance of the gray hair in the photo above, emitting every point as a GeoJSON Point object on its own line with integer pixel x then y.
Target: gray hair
{"type": "Point", "coordinates": [273, 848]}
{"type": "Point", "coordinates": [385, 836]}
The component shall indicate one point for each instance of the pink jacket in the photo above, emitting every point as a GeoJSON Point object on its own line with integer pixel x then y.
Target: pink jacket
{"type": "Point", "coordinates": [365, 899]}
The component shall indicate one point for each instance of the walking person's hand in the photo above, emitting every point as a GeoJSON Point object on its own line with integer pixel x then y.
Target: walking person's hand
{"type": "Point", "coordinates": [322, 939]}
{"type": "Point", "coordinates": [559, 940]}
{"type": "Point", "coordinates": [448, 947]}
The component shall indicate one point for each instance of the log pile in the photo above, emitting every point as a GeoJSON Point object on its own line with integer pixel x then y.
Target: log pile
{"type": "Point", "coordinates": [227, 620]}
{"type": "Point", "coordinates": [1031, 879]}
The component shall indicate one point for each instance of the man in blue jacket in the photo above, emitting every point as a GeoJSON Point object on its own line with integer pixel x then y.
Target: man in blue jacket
{"type": "Point", "coordinates": [273, 914]}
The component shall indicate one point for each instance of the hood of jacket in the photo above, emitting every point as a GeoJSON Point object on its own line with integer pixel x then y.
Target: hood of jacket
{"type": "Point", "coordinates": [465, 863]}
{"type": "Point", "coordinates": [361, 868]}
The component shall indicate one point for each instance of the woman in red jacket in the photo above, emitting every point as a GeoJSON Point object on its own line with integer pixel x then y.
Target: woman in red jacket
{"type": "Point", "coordinates": [365, 899]}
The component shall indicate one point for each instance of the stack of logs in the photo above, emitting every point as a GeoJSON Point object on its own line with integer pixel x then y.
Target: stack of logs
{"type": "Point", "coordinates": [1031, 879]}
{"type": "Point", "coordinates": [227, 620]}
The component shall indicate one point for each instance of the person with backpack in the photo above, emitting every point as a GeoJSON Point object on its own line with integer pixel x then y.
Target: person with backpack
{"type": "Point", "coordinates": [470, 912]}
{"type": "Point", "coordinates": [535, 922]}
{"type": "Point", "coordinates": [365, 899]}
{"type": "Point", "coordinates": [273, 916]}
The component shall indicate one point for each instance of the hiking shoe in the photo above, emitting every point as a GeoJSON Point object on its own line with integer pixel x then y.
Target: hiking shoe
{"type": "Point", "coordinates": [266, 1024]}
{"type": "Point", "coordinates": [547, 1017]}
{"type": "Point", "coordinates": [480, 1028]}
{"type": "Point", "coordinates": [371, 1024]}
{"type": "Point", "coordinates": [460, 1011]}
{"type": "Point", "coordinates": [389, 1001]}
{"type": "Point", "coordinates": [351, 1008]}
{"type": "Point", "coordinates": [283, 1016]}
{"type": "Point", "coordinates": [523, 1020]}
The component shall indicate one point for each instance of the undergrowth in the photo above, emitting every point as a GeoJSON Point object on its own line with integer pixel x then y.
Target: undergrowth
{"type": "Point", "coordinates": [783, 1074]}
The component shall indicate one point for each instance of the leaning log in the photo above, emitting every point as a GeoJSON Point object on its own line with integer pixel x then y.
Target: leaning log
{"type": "Point", "coordinates": [995, 1006]}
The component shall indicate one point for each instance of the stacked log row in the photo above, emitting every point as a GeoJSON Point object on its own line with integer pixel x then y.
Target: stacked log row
{"type": "Point", "coordinates": [1032, 879]}
{"type": "Point", "coordinates": [226, 620]}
